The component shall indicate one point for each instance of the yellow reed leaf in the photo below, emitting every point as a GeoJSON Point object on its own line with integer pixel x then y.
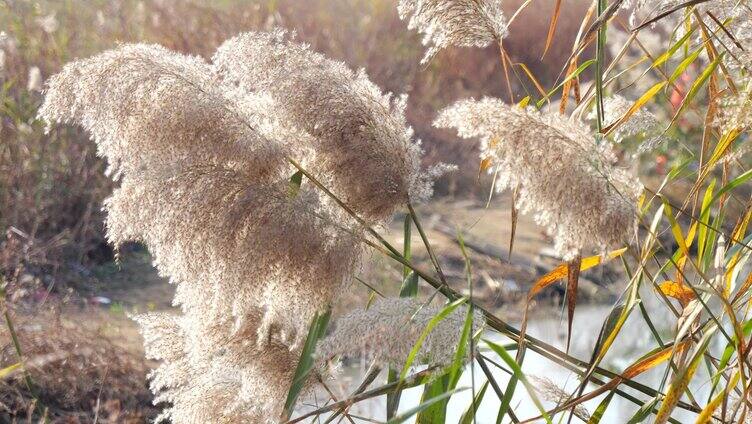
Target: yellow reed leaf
{"type": "Point", "coordinates": [561, 271]}
{"type": "Point", "coordinates": [678, 291]}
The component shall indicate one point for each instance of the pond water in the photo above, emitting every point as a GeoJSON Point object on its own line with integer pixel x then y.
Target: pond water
{"type": "Point", "coordinates": [634, 340]}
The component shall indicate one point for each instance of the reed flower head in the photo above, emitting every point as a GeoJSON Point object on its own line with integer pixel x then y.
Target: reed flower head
{"type": "Point", "coordinates": [223, 378]}
{"type": "Point", "coordinates": [461, 23]}
{"type": "Point", "coordinates": [568, 181]}
{"type": "Point", "coordinates": [203, 187]}
{"type": "Point", "coordinates": [551, 392]}
{"type": "Point", "coordinates": [360, 137]}
{"type": "Point", "coordinates": [201, 152]}
{"type": "Point", "coordinates": [642, 124]}
{"type": "Point", "coordinates": [204, 183]}
{"type": "Point", "coordinates": [49, 23]}
{"type": "Point", "coordinates": [387, 331]}
{"type": "Point", "coordinates": [736, 111]}
{"type": "Point", "coordinates": [34, 80]}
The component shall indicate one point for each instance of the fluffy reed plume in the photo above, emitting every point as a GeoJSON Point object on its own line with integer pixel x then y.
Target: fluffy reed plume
{"type": "Point", "coordinates": [202, 159]}
{"type": "Point", "coordinates": [239, 384]}
{"type": "Point", "coordinates": [34, 81]}
{"type": "Point", "coordinates": [643, 124]}
{"type": "Point", "coordinates": [551, 392]}
{"type": "Point", "coordinates": [387, 331]}
{"type": "Point", "coordinates": [359, 135]}
{"type": "Point", "coordinates": [462, 23]}
{"type": "Point", "coordinates": [565, 178]}
{"type": "Point", "coordinates": [207, 191]}
{"type": "Point", "coordinates": [202, 187]}
{"type": "Point", "coordinates": [642, 9]}
{"type": "Point", "coordinates": [736, 110]}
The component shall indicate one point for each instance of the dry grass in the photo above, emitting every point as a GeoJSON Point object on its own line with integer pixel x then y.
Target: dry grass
{"type": "Point", "coordinates": [77, 374]}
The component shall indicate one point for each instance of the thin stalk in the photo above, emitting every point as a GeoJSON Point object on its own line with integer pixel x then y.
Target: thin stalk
{"type": "Point", "coordinates": [412, 381]}
{"type": "Point", "coordinates": [495, 385]}
{"type": "Point", "coordinates": [599, 59]}
{"type": "Point", "coordinates": [426, 243]}
{"type": "Point", "coordinates": [19, 353]}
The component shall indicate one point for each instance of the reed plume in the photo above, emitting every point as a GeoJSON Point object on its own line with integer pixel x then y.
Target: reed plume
{"type": "Point", "coordinates": [551, 392]}
{"type": "Point", "coordinates": [360, 137]}
{"type": "Point", "coordinates": [387, 331]}
{"type": "Point", "coordinates": [461, 23]}
{"type": "Point", "coordinates": [642, 123]}
{"type": "Point", "coordinates": [203, 161]}
{"type": "Point", "coordinates": [566, 180]}
{"type": "Point", "coordinates": [201, 186]}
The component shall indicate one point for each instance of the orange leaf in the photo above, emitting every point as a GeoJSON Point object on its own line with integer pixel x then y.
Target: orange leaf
{"type": "Point", "coordinates": [552, 27]}
{"type": "Point", "coordinates": [562, 271]}
{"type": "Point", "coordinates": [678, 291]}
{"type": "Point", "coordinates": [652, 360]}
{"type": "Point", "coordinates": [485, 164]}
{"type": "Point", "coordinates": [744, 287]}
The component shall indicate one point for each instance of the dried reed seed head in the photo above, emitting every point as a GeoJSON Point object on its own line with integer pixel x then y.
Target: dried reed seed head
{"type": "Point", "coordinates": [566, 180]}
{"type": "Point", "coordinates": [551, 392]}
{"type": "Point", "coordinates": [641, 10]}
{"type": "Point", "coordinates": [735, 112]}
{"type": "Point", "coordinates": [34, 80]}
{"type": "Point", "coordinates": [203, 188]}
{"type": "Point", "coordinates": [205, 395]}
{"type": "Point", "coordinates": [163, 337]}
{"type": "Point", "coordinates": [205, 185]}
{"type": "Point", "coordinates": [359, 135]}
{"type": "Point", "coordinates": [228, 375]}
{"type": "Point", "coordinates": [160, 110]}
{"type": "Point", "coordinates": [642, 124]}
{"type": "Point", "coordinates": [48, 23]}
{"type": "Point", "coordinates": [385, 333]}
{"type": "Point", "coordinates": [461, 23]}
{"type": "Point", "coordinates": [241, 247]}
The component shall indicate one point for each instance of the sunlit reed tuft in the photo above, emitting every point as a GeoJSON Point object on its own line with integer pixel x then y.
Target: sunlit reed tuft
{"type": "Point", "coordinates": [360, 137]}
{"type": "Point", "coordinates": [462, 23]}
{"type": "Point", "coordinates": [387, 331]}
{"type": "Point", "coordinates": [567, 180]}
{"type": "Point", "coordinates": [203, 157]}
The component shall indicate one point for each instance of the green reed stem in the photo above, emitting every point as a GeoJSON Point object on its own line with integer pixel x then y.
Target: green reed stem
{"type": "Point", "coordinates": [599, 59]}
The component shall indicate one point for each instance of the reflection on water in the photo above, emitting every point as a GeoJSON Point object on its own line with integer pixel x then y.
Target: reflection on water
{"type": "Point", "coordinates": [634, 340]}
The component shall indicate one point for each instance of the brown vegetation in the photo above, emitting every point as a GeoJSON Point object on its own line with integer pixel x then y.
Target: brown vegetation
{"type": "Point", "coordinates": [72, 373]}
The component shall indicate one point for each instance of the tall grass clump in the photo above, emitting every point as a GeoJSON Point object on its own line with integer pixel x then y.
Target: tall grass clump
{"type": "Point", "coordinates": [259, 181]}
